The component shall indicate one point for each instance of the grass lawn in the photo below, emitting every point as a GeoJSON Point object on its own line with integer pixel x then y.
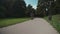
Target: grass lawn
{"type": "Point", "coordinates": [11, 21]}
{"type": "Point", "coordinates": [55, 22]}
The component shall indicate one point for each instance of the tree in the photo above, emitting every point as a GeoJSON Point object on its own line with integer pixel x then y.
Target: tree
{"type": "Point", "coordinates": [28, 10]}
{"type": "Point", "coordinates": [57, 7]}
{"type": "Point", "coordinates": [12, 8]}
{"type": "Point", "coordinates": [43, 4]}
{"type": "Point", "coordinates": [20, 8]}
{"type": "Point", "coordinates": [41, 8]}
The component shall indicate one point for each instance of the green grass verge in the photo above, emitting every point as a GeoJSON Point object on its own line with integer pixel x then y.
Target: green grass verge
{"type": "Point", "coordinates": [11, 21]}
{"type": "Point", "coordinates": [55, 22]}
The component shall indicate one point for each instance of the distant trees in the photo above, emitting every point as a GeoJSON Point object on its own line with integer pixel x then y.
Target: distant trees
{"type": "Point", "coordinates": [53, 7]}
{"type": "Point", "coordinates": [15, 8]}
{"type": "Point", "coordinates": [41, 8]}
{"type": "Point", "coordinates": [29, 10]}
{"type": "Point", "coordinates": [18, 8]}
{"type": "Point", "coordinates": [12, 8]}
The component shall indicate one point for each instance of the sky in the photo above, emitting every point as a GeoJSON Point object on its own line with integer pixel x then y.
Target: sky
{"type": "Point", "coordinates": [32, 2]}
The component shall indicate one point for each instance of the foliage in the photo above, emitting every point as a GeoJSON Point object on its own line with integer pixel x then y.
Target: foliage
{"type": "Point", "coordinates": [54, 8]}
{"type": "Point", "coordinates": [12, 8]}
{"type": "Point", "coordinates": [29, 10]}
{"type": "Point", "coordinates": [55, 22]}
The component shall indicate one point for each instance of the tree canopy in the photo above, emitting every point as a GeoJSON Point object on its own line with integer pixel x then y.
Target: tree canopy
{"type": "Point", "coordinates": [12, 8]}
{"type": "Point", "coordinates": [53, 6]}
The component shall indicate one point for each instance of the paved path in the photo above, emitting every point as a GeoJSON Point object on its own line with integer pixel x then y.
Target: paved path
{"type": "Point", "coordinates": [36, 26]}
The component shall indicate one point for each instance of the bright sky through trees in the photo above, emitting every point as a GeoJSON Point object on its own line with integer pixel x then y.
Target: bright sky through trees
{"type": "Point", "coordinates": [32, 2]}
